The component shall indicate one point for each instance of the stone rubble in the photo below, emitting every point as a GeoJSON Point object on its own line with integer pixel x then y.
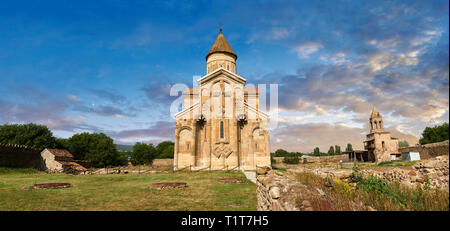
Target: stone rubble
{"type": "Point", "coordinates": [278, 191]}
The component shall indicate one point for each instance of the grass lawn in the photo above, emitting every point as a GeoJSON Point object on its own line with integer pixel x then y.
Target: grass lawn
{"type": "Point", "coordinates": [125, 191]}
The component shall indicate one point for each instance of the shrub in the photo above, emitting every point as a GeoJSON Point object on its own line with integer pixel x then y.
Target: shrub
{"type": "Point", "coordinates": [356, 175]}
{"type": "Point", "coordinates": [403, 144]}
{"type": "Point", "coordinates": [291, 160]}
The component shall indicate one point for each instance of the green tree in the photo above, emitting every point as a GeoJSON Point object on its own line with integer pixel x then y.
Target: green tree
{"type": "Point", "coordinates": [281, 153]}
{"type": "Point", "coordinates": [337, 150]}
{"type": "Point", "coordinates": [143, 154]}
{"type": "Point", "coordinates": [97, 148]}
{"type": "Point", "coordinates": [165, 150]}
{"type": "Point", "coordinates": [402, 144]}
{"type": "Point", "coordinates": [316, 151]}
{"type": "Point", "coordinates": [36, 136]}
{"type": "Point", "coordinates": [62, 143]}
{"type": "Point", "coordinates": [434, 134]}
{"type": "Point", "coordinates": [331, 150]}
{"type": "Point", "coordinates": [349, 148]}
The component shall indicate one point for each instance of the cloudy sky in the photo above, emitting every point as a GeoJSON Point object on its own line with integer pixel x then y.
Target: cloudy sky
{"type": "Point", "coordinates": [107, 66]}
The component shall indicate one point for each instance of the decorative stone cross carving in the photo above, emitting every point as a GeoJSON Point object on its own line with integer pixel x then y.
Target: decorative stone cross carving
{"type": "Point", "coordinates": [222, 149]}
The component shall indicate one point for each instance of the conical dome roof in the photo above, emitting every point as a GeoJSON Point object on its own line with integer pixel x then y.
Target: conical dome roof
{"type": "Point", "coordinates": [221, 46]}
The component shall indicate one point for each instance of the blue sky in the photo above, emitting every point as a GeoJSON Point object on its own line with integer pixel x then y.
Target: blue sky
{"type": "Point", "coordinates": [107, 66]}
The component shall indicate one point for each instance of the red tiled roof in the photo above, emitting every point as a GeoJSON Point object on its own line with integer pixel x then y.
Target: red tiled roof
{"type": "Point", "coordinates": [73, 165]}
{"type": "Point", "coordinates": [60, 153]}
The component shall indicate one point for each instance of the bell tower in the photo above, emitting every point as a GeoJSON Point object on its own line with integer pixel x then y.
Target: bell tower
{"type": "Point", "coordinates": [376, 121]}
{"type": "Point", "coordinates": [221, 55]}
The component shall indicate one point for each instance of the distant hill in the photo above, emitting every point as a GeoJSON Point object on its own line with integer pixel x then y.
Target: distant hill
{"type": "Point", "coordinates": [124, 147]}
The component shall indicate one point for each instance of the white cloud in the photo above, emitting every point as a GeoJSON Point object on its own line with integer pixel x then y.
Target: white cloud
{"type": "Point", "coordinates": [306, 49]}
{"type": "Point", "coordinates": [279, 33]}
{"type": "Point", "coordinates": [73, 98]}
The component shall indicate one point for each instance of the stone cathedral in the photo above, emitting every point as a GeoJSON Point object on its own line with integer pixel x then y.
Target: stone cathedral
{"type": "Point", "coordinates": [221, 126]}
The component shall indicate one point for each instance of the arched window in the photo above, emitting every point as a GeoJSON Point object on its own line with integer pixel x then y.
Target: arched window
{"type": "Point", "coordinates": [221, 129]}
{"type": "Point", "coordinates": [187, 147]}
{"type": "Point", "coordinates": [382, 144]}
{"type": "Point", "coordinates": [376, 125]}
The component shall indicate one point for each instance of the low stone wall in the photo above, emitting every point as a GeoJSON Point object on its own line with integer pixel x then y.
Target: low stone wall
{"type": "Point", "coordinates": [268, 192]}
{"type": "Point", "coordinates": [432, 173]}
{"type": "Point", "coordinates": [278, 192]}
{"type": "Point", "coordinates": [316, 159]}
{"type": "Point", "coordinates": [162, 163]}
{"type": "Point", "coordinates": [429, 150]}
{"type": "Point", "coordinates": [324, 159]}
{"type": "Point", "coordinates": [19, 156]}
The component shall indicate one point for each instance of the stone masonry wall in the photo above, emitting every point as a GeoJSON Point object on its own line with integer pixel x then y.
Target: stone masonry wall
{"type": "Point", "coordinates": [431, 172]}
{"type": "Point", "coordinates": [19, 156]}
{"type": "Point", "coordinates": [277, 192]}
{"type": "Point", "coordinates": [316, 159]}
{"type": "Point", "coordinates": [429, 150]}
{"type": "Point", "coordinates": [267, 192]}
{"type": "Point", "coordinates": [324, 159]}
{"type": "Point", "coordinates": [162, 163]}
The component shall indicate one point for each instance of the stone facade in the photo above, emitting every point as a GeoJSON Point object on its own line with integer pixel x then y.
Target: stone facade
{"type": "Point", "coordinates": [221, 126]}
{"type": "Point", "coordinates": [379, 143]}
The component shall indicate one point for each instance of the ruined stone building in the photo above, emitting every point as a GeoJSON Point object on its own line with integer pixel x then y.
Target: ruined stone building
{"type": "Point", "coordinates": [379, 143]}
{"type": "Point", "coordinates": [221, 125]}
{"type": "Point", "coordinates": [59, 160]}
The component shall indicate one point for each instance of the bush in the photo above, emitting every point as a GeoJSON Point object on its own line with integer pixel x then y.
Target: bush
{"type": "Point", "coordinates": [403, 144]}
{"type": "Point", "coordinates": [291, 160]}
{"type": "Point", "coordinates": [356, 175]}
